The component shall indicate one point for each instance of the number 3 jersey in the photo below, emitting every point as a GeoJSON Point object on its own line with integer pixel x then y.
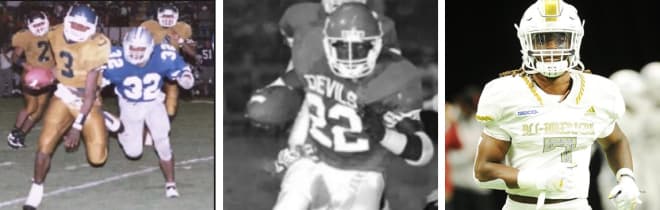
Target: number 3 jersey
{"type": "Point", "coordinates": [544, 132]}
{"type": "Point", "coordinates": [75, 60]}
{"type": "Point", "coordinates": [337, 128]}
{"type": "Point", "coordinates": [143, 84]}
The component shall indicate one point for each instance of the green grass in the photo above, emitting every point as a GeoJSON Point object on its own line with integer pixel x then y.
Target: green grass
{"type": "Point", "coordinates": [192, 137]}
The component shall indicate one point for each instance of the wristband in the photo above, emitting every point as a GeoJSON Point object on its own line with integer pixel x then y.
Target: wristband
{"type": "Point", "coordinates": [80, 120]}
{"type": "Point", "coordinates": [624, 172]}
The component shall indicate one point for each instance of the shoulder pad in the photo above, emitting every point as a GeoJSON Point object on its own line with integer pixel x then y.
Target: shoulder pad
{"type": "Point", "coordinates": [396, 74]}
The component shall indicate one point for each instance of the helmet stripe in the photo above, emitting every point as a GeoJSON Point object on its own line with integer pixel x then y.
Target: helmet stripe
{"type": "Point", "coordinates": [551, 10]}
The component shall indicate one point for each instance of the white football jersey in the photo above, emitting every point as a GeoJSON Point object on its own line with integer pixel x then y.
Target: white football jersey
{"type": "Point", "coordinates": [546, 133]}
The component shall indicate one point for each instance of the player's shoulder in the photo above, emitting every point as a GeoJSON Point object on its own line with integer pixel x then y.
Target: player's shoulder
{"type": "Point", "coordinates": [99, 40]}
{"type": "Point", "coordinates": [602, 92]}
{"type": "Point", "coordinates": [387, 22]}
{"type": "Point", "coordinates": [20, 36]}
{"type": "Point", "coordinates": [303, 8]}
{"type": "Point", "coordinates": [181, 27]}
{"type": "Point", "coordinates": [394, 75]}
{"type": "Point", "coordinates": [598, 81]}
{"type": "Point", "coordinates": [55, 31]}
{"type": "Point", "coordinates": [149, 24]}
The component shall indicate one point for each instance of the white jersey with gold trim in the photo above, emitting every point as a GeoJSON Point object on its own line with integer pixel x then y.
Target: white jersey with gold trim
{"type": "Point", "coordinates": [546, 133]}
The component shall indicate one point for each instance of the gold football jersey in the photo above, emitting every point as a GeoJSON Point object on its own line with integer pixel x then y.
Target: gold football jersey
{"type": "Point", "coordinates": [159, 33]}
{"type": "Point", "coordinates": [36, 48]}
{"type": "Point", "coordinates": [75, 60]}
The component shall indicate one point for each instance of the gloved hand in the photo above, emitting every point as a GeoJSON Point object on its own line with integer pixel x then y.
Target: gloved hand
{"type": "Point", "coordinates": [554, 179]}
{"type": "Point", "coordinates": [625, 195]}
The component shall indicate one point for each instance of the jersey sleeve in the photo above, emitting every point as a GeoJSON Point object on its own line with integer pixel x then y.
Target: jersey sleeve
{"type": "Point", "coordinates": [111, 71]}
{"type": "Point", "coordinates": [173, 61]}
{"type": "Point", "coordinates": [183, 30]}
{"type": "Point", "coordinates": [489, 110]}
{"type": "Point", "coordinates": [390, 38]}
{"type": "Point", "coordinates": [615, 109]}
{"type": "Point", "coordinates": [19, 40]}
{"type": "Point", "coordinates": [98, 52]}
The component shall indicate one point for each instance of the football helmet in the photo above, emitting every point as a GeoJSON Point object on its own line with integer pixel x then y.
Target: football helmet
{"type": "Point", "coordinates": [37, 23]}
{"type": "Point", "coordinates": [651, 74]}
{"type": "Point", "coordinates": [138, 45]}
{"type": "Point", "coordinates": [330, 5]}
{"type": "Point", "coordinates": [80, 23]}
{"type": "Point", "coordinates": [632, 86]}
{"type": "Point", "coordinates": [550, 34]}
{"type": "Point", "coordinates": [352, 40]}
{"type": "Point", "coordinates": [167, 15]}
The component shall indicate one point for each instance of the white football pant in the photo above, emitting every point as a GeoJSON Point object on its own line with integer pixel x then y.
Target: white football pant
{"type": "Point", "coordinates": [318, 186]}
{"type": "Point", "coordinates": [134, 116]}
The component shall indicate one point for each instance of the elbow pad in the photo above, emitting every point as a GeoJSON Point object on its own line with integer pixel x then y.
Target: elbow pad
{"type": "Point", "coordinates": [186, 80]}
{"type": "Point", "coordinates": [416, 149]}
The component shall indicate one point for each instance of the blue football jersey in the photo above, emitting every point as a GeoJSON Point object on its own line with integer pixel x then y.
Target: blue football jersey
{"type": "Point", "coordinates": [142, 84]}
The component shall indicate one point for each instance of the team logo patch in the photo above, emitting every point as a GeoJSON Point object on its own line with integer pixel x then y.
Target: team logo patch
{"type": "Point", "coordinates": [590, 111]}
{"type": "Point", "coordinates": [530, 112]}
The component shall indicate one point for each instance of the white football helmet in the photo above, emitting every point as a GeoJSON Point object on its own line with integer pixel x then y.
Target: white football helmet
{"type": "Point", "coordinates": [138, 45]}
{"type": "Point", "coordinates": [632, 86]}
{"type": "Point", "coordinates": [168, 15]}
{"type": "Point", "coordinates": [651, 75]}
{"type": "Point", "coordinates": [352, 40]}
{"type": "Point", "coordinates": [330, 5]}
{"type": "Point", "coordinates": [550, 34]}
{"type": "Point", "coordinates": [80, 23]}
{"type": "Point", "coordinates": [37, 23]}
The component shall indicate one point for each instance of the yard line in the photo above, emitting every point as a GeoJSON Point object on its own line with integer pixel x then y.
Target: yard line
{"type": "Point", "coordinates": [103, 181]}
{"type": "Point", "coordinates": [6, 163]}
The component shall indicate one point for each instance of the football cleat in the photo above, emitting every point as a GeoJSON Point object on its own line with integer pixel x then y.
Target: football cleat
{"type": "Point", "coordinates": [34, 198]}
{"type": "Point", "coordinates": [16, 139]}
{"type": "Point", "coordinates": [170, 190]}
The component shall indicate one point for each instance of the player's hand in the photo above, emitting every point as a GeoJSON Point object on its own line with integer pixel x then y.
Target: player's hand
{"type": "Point", "coordinates": [186, 80]}
{"type": "Point", "coordinates": [72, 140]}
{"type": "Point", "coordinates": [625, 195]}
{"type": "Point", "coordinates": [372, 119]}
{"type": "Point", "coordinates": [554, 179]}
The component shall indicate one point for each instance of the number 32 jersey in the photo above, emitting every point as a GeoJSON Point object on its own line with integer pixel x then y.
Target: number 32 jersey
{"type": "Point", "coordinates": [143, 84]}
{"type": "Point", "coordinates": [336, 125]}
{"type": "Point", "coordinates": [546, 133]}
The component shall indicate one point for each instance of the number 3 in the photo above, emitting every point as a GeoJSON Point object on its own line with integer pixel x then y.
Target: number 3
{"type": "Point", "coordinates": [336, 112]}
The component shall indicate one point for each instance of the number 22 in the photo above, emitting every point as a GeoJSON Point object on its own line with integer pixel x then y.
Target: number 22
{"type": "Point", "coordinates": [336, 112]}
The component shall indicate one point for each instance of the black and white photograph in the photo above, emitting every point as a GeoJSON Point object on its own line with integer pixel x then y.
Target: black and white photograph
{"type": "Point", "coordinates": [107, 105]}
{"type": "Point", "coordinates": [330, 104]}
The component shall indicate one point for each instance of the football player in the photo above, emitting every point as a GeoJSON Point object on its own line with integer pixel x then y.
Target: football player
{"type": "Point", "coordinates": [32, 43]}
{"type": "Point", "coordinates": [299, 19]}
{"type": "Point", "coordinates": [79, 54]}
{"type": "Point", "coordinates": [178, 34]}
{"type": "Point", "coordinates": [138, 71]}
{"type": "Point", "coordinates": [541, 121]}
{"type": "Point", "coordinates": [364, 104]}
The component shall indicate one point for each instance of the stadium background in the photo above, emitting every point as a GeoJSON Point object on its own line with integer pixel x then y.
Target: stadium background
{"type": "Point", "coordinates": [255, 54]}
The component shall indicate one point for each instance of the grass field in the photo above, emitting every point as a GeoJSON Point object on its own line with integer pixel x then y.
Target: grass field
{"type": "Point", "coordinates": [249, 184]}
{"type": "Point", "coordinates": [120, 183]}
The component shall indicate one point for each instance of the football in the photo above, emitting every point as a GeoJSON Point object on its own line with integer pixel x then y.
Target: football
{"type": "Point", "coordinates": [37, 78]}
{"type": "Point", "coordinates": [274, 105]}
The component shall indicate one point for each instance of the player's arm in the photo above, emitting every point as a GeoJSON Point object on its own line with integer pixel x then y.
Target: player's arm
{"type": "Point", "coordinates": [408, 140]}
{"type": "Point", "coordinates": [617, 150]}
{"type": "Point", "coordinates": [88, 98]}
{"type": "Point", "coordinates": [179, 70]}
{"type": "Point", "coordinates": [489, 168]}
{"type": "Point", "coordinates": [17, 56]}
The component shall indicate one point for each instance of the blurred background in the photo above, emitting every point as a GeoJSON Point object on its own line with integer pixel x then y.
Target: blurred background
{"type": "Point", "coordinates": [619, 37]}
{"type": "Point", "coordinates": [255, 54]}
